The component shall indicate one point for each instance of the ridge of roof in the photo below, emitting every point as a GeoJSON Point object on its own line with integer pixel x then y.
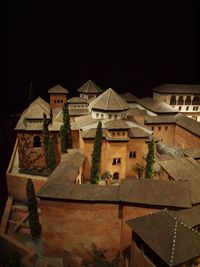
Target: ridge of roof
{"type": "Point", "coordinates": [58, 89]}
{"type": "Point", "coordinates": [178, 88]}
{"type": "Point", "coordinates": [89, 87]}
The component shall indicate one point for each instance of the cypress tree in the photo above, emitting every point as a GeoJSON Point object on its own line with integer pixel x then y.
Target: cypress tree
{"type": "Point", "coordinates": [149, 170]}
{"type": "Point", "coordinates": [51, 157]}
{"type": "Point", "coordinates": [65, 130]}
{"type": "Point", "coordinates": [35, 226]}
{"type": "Point", "coordinates": [96, 155]}
{"type": "Point", "coordinates": [45, 136]}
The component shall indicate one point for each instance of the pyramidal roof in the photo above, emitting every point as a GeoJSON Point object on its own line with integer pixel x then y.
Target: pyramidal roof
{"type": "Point", "coordinates": [58, 89]}
{"type": "Point", "coordinates": [169, 238]}
{"type": "Point", "coordinates": [89, 87]}
{"type": "Point", "coordinates": [109, 101]}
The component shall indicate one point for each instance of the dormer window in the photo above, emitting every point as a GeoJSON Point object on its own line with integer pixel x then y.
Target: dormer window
{"type": "Point", "coordinates": [36, 141]}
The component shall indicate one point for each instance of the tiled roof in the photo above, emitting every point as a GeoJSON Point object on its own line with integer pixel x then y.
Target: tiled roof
{"type": "Point", "coordinates": [129, 97]}
{"type": "Point", "coordinates": [156, 106]}
{"type": "Point", "coordinates": [116, 124]}
{"type": "Point", "coordinates": [178, 88]}
{"type": "Point", "coordinates": [173, 241]}
{"type": "Point", "coordinates": [110, 101]}
{"type": "Point", "coordinates": [193, 152]}
{"type": "Point", "coordinates": [90, 87]}
{"type": "Point", "coordinates": [159, 119]}
{"type": "Point", "coordinates": [191, 216]}
{"type": "Point", "coordinates": [136, 132]}
{"type": "Point", "coordinates": [58, 89]}
{"type": "Point", "coordinates": [187, 123]}
{"type": "Point", "coordinates": [90, 134]}
{"type": "Point", "coordinates": [141, 191]}
{"type": "Point", "coordinates": [156, 192]}
{"type": "Point", "coordinates": [33, 112]}
{"type": "Point", "coordinates": [77, 100]}
{"type": "Point", "coordinates": [182, 168]}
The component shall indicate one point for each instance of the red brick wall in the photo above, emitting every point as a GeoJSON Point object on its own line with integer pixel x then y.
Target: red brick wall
{"type": "Point", "coordinates": [56, 97]}
{"type": "Point", "coordinates": [75, 226]}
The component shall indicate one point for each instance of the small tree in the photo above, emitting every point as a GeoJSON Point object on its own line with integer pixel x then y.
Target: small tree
{"type": "Point", "coordinates": [96, 155]}
{"type": "Point", "coordinates": [51, 157]}
{"type": "Point", "coordinates": [35, 226]}
{"type": "Point", "coordinates": [149, 170]}
{"type": "Point", "coordinates": [65, 130]}
{"type": "Point", "coordinates": [45, 136]}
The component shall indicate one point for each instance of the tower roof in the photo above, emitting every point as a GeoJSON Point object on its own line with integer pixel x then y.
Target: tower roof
{"type": "Point", "coordinates": [109, 101]}
{"type": "Point", "coordinates": [58, 89]}
{"type": "Point", "coordinates": [90, 87]}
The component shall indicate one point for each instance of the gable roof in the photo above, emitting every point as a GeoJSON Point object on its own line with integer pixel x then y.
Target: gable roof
{"type": "Point", "coordinates": [109, 101]}
{"type": "Point", "coordinates": [181, 168]}
{"type": "Point", "coordinates": [90, 88]}
{"type": "Point", "coordinates": [156, 106]}
{"type": "Point", "coordinates": [178, 88]}
{"type": "Point", "coordinates": [173, 241]}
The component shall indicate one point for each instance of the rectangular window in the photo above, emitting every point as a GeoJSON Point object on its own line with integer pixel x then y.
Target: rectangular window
{"type": "Point", "coordinates": [194, 108]}
{"type": "Point", "coordinates": [179, 108]}
{"type": "Point", "coordinates": [159, 128]}
{"type": "Point", "coordinates": [116, 161]}
{"type": "Point", "coordinates": [166, 128]}
{"type": "Point", "coordinates": [152, 128]}
{"type": "Point", "coordinates": [132, 154]}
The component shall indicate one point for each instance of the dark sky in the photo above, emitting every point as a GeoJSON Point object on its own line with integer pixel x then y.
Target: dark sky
{"type": "Point", "coordinates": [126, 45]}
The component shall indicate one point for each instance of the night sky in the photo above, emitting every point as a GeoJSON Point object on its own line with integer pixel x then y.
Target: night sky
{"type": "Point", "coordinates": [128, 46]}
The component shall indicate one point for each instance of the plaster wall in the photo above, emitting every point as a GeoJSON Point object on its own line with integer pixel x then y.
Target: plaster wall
{"type": "Point", "coordinates": [162, 97]}
{"type": "Point", "coordinates": [164, 132]}
{"type": "Point", "coordinates": [55, 97]}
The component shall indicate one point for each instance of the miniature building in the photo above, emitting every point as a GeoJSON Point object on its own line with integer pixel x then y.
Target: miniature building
{"type": "Point", "coordinates": [186, 98]}
{"type": "Point", "coordinates": [170, 242]}
{"type": "Point", "coordinates": [58, 95]}
{"type": "Point", "coordinates": [89, 90]}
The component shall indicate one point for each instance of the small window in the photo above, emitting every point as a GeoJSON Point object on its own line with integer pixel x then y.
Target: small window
{"type": "Point", "coordinates": [36, 141]}
{"type": "Point", "coordinates": [187, 108]}
{"type": "Point", "coordinates": [118, 133]}
{"type": "Point", "coordinates": [61, 101]}
{"type": "Point", "coordinates": [197, 108]}
{"type": "Point", "coordinates": [102, 116]}
{"type": "Point", "coordinates": [132, 154]}
{"type": "Point", "coordinates": [123, 133]}
{"type": "Point", "coordinates": [165, 100]}
{"type": "Point", "coordinates": [115, 116]}
{"type": "Point", "coordinates": [97, 115]}
{"type": "Point", "coordinates": [159, 128]}
{"type": "Point", "coordinates": [113, 133]}
{"type": "Point", "coordinates": [194, 108]}
{"type": "Point", "coordinates": [179, 108]}
{"type": "Point", "coordinates": [166, 128]}
{"type": "Point", "coordinates": [110, 116]}
{"type": "Point", "coordinates": [54, 101]}
{"type": "Point", "coordinates": [58, 101]}
{"type": "Point", "coordinates": [116, 161]}
{"type": "Point", "coordinates": [152, 128]}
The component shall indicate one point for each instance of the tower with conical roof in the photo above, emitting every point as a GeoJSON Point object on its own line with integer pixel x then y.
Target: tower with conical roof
{"type": "Point", "coordinates": [58, 95]}
{"type": "Point", "coordinates": [89, 90]}
{"type": "Point", "coordinates": [109, 105]}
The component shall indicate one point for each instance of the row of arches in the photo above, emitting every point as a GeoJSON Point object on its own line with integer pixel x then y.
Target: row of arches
{"type": "Point", "coordinates": [181, 100]}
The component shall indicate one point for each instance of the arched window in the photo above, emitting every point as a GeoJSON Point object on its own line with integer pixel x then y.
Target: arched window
{"type": "Point", "coordinates": [180, 100]}
{"type": "Point", "coordinates": [36, 141]}
{"type": "Point", "coordinates": [173, 100]}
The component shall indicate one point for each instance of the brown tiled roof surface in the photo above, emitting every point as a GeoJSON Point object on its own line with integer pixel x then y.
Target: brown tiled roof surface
{"type": "Point", "coordinates": [195, 190]}
{"type": "Point", "coordinates": [90, 134]}
{"type": "Point", "coordinates": [143, 191]}
{"type": "Point", "coordinates": [191, 216]}
{"type": "Point", "coordinates": [181, 168]}
{"type": "Point", "coordinates": [187, 123]}
{"type": "Point", "coordinates": [156, 192]}
{"type": "Point", "coordinates": [116, 124]}
{"type": "Point", "coordinates": [89, 87]}
{"type": "Point", "coordinates": [129, 97]}
{"type": "Point", "coordinates": [178, 88]}
{"type": "Point", "coordinates": [58, 89]}
{"type": "Point", "coordinates": [136, 111]}
{"type": "Point", "coordinates": [193, 152]}
{"type": "Point", "coordinates": [78, 100]}
{"type": "Point", "coordinates": [110, 101]}
{"type": "Point", "coordinates": [156, 106]}
{"type": "Point", "coordinates": [33, 112]}
{"type": "Point", "coordinates": [173, 241]}
{"type": "Point", "coordinates": [136, 132]}
{"type": "Point", "coordinates": [78, 112]}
